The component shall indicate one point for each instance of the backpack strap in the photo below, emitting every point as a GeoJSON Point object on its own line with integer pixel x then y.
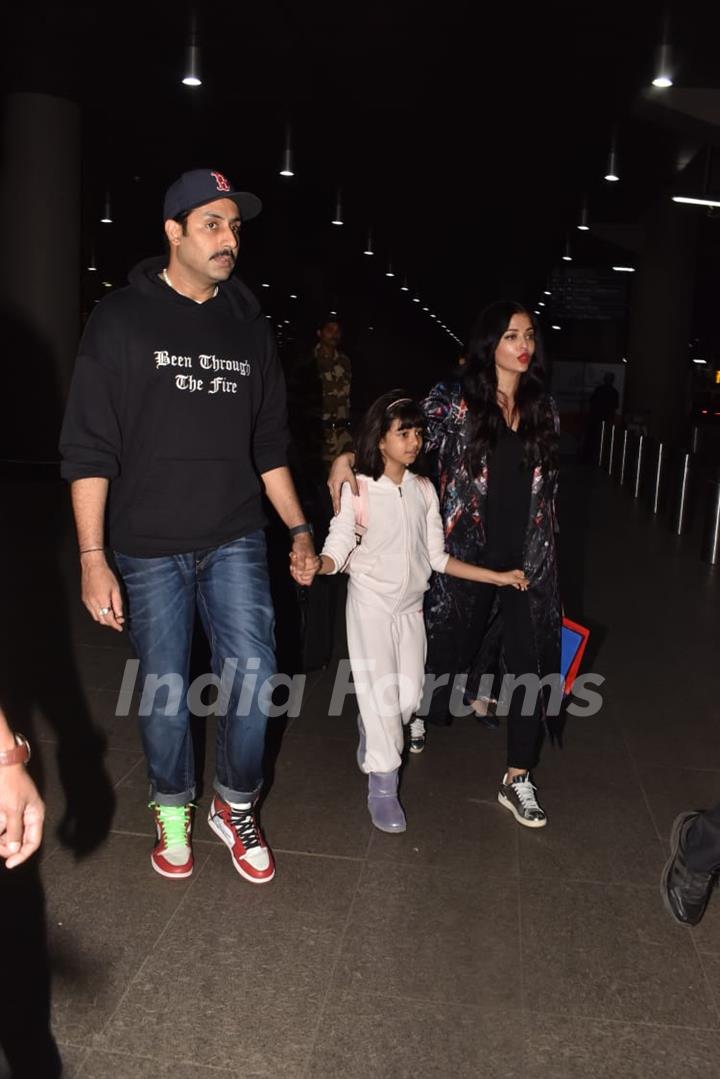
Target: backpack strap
{"type": "Point", "coordinates": [360, 510]}
{"type": "Point", "coordinates": [361, 507]}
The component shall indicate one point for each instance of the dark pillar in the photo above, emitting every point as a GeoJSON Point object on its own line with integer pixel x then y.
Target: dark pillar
{"type": "Point", "coordinates": [39, 268]}
{"type": "Point", "coordinates": [660, 323]}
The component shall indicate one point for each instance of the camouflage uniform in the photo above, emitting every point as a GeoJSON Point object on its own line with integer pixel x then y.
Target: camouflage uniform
{"type": "Point", "coordinates": [319, 398]}
{"type": "Point", "coordinates": [335, 375]}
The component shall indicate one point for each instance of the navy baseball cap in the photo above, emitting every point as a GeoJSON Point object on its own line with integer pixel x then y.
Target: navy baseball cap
{"type": "Point", "coordinates": [195, 188]}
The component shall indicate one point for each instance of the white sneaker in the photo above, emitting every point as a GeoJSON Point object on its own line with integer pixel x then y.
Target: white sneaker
{"type": "Point", "coordinates": [417, 735]}
{"type": "Point", "coordinates": [519, 797]}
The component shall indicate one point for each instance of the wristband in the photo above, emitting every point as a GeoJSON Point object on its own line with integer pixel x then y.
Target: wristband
{"type": "Point", "coordinates": [87, 550]}
{"type": "Point", "coordinates": [19, 755]}
{"type": "Point", "coordinates": [299, 529]}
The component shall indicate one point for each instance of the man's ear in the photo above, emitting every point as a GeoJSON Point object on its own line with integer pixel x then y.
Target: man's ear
{"type": "Point", "coordinates": [173, 231]}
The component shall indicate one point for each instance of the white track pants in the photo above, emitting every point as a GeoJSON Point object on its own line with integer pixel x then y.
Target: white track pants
{"type": "Point", "coordinates": [387, 658]}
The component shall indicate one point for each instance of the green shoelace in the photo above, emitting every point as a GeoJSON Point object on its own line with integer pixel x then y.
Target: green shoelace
{"type": "Point", "coordinates": [174, 822]}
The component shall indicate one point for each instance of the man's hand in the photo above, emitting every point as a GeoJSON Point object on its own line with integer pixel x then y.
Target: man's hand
{"type": "Point", "coordinates": [304, 563]}
{"type": "Point", "coordinates": [341, 472]}
{"type": "Point", "coordinates": [22, 813]}
{"type": "Point", "coordinates": [303, 569]}
{"type": "Point", "coordinates": [101, 591]}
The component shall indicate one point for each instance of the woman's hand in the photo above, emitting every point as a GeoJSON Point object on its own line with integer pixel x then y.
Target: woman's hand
{"type": "Point", "coordinates": [513, 577]}
{"type": "Point", "coordinates": [341, 472]}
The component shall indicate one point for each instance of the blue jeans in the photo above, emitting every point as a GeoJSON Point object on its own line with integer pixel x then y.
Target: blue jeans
{"type": "Point", "coordinates": [230, 589]}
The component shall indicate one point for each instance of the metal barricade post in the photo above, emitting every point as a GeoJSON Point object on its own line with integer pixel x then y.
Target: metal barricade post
{"type": "Point", "coordinates": [623, 456]}
{"type": "Point", "coordinates": [601, 451]}
{"type": "Point", "coordinates": [638, 466]}
{"type": "Point", "coordinates": [658, 479]}
{"type": "Point", "coordinates": [711, 533]}
{"type": "Point", "coordinates": [611, 457]}
{"type": "Point", "coordinates": [680, 515]}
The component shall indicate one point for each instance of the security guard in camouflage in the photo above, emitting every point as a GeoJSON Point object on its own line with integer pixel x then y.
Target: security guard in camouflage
{"type": "Point", "coordinates": [319, 403]}
{"type": "Point", "coordinates": [335, 376]}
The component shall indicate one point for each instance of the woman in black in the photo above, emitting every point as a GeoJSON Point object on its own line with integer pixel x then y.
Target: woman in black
{"type": "Point", "coordinates": [495, 434]}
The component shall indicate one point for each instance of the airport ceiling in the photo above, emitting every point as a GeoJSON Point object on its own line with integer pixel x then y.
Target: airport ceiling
{"type": "Point", "coordinates": [465, 134]}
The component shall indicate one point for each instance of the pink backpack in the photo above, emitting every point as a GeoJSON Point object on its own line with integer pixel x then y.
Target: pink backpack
{"type": "Point", "coordinates": [361, 509]}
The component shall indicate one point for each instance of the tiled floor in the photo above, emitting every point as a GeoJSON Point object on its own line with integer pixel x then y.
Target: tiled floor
{"type": "Point", "coordinates": [467, 948]}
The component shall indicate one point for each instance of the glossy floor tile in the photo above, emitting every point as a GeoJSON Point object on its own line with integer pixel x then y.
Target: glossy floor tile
{"type": "Point", "coordinates": [466, 947]}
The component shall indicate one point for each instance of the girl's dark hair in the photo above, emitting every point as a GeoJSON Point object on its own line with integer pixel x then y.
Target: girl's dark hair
{"type": "Point", "coordinates": [376, 423]}
{"type": "Point", "coordinates": [479, 382]}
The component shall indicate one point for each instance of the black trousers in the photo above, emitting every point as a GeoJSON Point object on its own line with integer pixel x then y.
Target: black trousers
{"type": "Point", "coordinates": [702, 846]}
{"type": "Point", "coordinates": [453, 646]}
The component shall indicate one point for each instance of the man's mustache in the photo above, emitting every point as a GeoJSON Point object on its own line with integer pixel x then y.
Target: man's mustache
{"type": "Point", "coordinates": [225, 253]}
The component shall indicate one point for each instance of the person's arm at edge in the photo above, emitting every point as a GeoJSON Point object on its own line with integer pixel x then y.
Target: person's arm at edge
{"type": "Point", "coordinates": [22, 810]}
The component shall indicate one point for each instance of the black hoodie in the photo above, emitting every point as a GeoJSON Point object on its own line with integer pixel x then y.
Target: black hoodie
{"type": "Point", "coordinates": [181, 406]}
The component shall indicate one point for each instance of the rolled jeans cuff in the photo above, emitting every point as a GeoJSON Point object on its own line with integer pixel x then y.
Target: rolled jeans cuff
{"type": "Point", "coordinates": [181, 799]}
{"type": "Point", "coordinates": [236, 797]}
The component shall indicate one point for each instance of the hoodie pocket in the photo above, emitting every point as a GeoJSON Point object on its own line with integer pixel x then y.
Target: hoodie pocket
{"type": "Point", "coordinates": [190, 499]}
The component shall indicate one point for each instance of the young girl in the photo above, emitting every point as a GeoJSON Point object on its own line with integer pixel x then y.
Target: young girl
{"type": "Point", "coordinates": [389, 573]}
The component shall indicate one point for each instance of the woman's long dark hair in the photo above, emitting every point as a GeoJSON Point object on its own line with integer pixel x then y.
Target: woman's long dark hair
{"type": "Point", "coordinates": [536, 426]}
{"type": "Point", "coordinates": [376, 423]}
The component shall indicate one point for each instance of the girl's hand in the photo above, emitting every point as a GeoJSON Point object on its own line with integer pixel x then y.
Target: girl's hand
{"type": "Point", "coordinates": [515, 578]}
{"type": "Point", "coordinates": [303, 567]}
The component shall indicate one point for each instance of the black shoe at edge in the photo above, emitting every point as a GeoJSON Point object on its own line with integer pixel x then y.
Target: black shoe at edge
{"type": "Point", "coordinates": [684, 893]}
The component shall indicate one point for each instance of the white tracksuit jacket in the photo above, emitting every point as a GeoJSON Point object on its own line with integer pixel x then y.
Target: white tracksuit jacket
{"type": "Point", "coordinates": [389, 573]}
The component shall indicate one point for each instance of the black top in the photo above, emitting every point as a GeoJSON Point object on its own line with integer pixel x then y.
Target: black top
{"type": "Point", "coordinates": [508, 502]}
{"type": "Point", "coordinates": [182, 407]}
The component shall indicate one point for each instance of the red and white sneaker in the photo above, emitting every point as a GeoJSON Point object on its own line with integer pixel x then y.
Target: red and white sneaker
{"type": "Point", "coordinates": [172, 855]}
{"type": "Point", "coordinates": [239, 831]}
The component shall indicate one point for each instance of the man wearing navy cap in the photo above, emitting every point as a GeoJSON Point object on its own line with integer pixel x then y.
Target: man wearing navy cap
{"type": "Point", "coordinates": [175, 425]}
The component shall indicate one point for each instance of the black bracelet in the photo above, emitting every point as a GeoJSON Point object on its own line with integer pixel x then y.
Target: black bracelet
{"type": "Point", "coordinates": [299, 529]}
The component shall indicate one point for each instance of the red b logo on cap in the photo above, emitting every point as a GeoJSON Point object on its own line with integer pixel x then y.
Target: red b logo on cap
{"type": "Point", "coordinates": [222, 184]}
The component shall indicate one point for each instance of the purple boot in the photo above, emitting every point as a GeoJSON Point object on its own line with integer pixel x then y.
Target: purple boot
{"type": "Point", "coordinates": [385, 809]}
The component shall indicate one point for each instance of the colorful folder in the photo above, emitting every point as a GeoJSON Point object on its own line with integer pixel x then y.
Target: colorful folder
{"type": "Point", "coordinates": [572, 646]}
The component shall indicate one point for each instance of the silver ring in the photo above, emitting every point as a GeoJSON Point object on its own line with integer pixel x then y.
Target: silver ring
{"type": "Point", "coordinates": [105, 610]}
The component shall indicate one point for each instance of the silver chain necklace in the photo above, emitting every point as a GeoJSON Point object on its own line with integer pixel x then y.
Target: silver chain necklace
{"type": "Point", "coordinates": [166, 279]}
